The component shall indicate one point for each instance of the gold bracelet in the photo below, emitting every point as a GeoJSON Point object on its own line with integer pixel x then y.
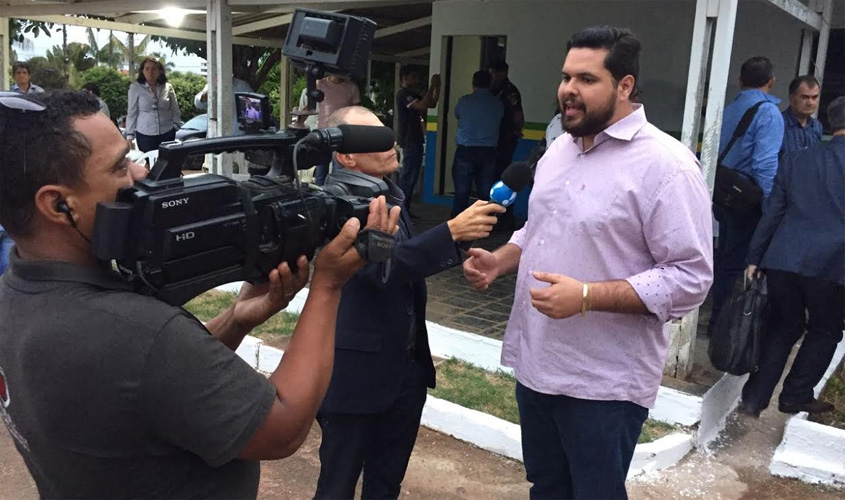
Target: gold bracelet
{"type": "Point", "coordinates": [585, 292]}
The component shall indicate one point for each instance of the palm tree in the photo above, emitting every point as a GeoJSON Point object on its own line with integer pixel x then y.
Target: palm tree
{"type": "Point", "coordinates": [168, 65]}
{"type": "Point", "coordinates": [130, 52]}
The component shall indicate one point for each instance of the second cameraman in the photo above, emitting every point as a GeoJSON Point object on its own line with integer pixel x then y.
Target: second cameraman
{"type": "Point", "coordinates": [371, 413]}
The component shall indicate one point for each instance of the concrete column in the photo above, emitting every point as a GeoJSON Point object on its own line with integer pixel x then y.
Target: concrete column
{"type": "Point", "coordinates": [719, 74]}
{"type": "Point", "coordinates": [284, 94]}
{"type": "Point", "coordinates": [5, 53]}
{"type": "Point", "coordinates": [701, 35]}
{"type": "Point", "coordinates": [221, 108]}
{"type": "Point", "coordinates": [824, 36]}
{"type": "Point", "coordinates": [806, 51]}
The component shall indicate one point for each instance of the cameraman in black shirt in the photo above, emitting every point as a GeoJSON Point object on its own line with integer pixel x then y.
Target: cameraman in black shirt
{"type": "Point", "coordinates": [108, 393]}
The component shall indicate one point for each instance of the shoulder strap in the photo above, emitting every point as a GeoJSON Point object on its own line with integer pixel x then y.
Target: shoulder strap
{"type": "Point", "coordinates": [741, 129]}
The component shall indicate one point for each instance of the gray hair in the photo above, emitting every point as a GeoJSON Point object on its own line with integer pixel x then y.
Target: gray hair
{"type": "Point", "coordinates": [341, 116]}
{"type": "Point", "coordinates": [836, 114]}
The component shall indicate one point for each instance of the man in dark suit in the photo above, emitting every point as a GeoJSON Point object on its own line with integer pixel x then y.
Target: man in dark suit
{"type": "Point", "coordinates": [371, 413]}
{"type": "Point", "coordinates": [800, 243]}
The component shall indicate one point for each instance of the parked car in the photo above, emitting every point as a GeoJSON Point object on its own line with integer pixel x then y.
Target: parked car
{"type": "Point", "coordinates": [195, 128]}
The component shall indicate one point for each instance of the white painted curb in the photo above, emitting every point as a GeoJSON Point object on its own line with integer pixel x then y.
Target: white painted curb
{"type": "Point", "coordinates": [810, 451]}
{"type": "Point", "coordinates": [492, 433]}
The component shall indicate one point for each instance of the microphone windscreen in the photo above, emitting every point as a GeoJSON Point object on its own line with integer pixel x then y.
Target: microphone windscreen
{"type": "Point", "coordinates": [517, 176]}
{"type": "Point", "coordinates": [365, 139]}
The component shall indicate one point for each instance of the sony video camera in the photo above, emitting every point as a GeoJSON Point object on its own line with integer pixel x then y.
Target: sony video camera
{"type": "Point", "coordinates": [177, 236]}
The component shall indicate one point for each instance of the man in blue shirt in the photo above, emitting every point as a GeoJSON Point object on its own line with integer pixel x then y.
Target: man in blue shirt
{"type": "Point", "coordinates": [479, 116]}
{"type": "Point", "coordinates": [800, 245]}
{"type": "Point", "coordinates": [801, 130]}
{"type": "Point", "coordinates": [23, 84]}
{"type": "Point", "coordinates": [754, 154]}
{"type": "Point", "coordinates": [5, 249]}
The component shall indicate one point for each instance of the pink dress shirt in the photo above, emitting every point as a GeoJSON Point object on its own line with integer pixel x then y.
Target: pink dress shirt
{"type": "Point", "coordinates": [634, 207]}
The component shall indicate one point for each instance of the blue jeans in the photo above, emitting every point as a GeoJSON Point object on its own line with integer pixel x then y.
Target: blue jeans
{"type": "Point", "coordinates": [735, 233]}
{"type": "Point", "coordinates": [577, 448]}
{"type": "Point", "coordinates": [472, 163]}
{"type": "Point", "coordinates": [322, 171]}
{"type": "Point", "coordinates": [412, 158]}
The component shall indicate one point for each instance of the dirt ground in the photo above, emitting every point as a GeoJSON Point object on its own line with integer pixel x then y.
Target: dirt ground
{"type": "Point", "coordinates": [443, 468]}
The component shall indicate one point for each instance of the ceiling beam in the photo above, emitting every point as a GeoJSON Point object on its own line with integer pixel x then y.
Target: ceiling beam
{"type": "Point", "coordinates": [399, 59]}
{"type": "Point", "coordinates": [799, 11]}
{"type": "Point", "coordinates": [415, 53]}
{"type": "Point", "coordinates": [264, 24]}
{"type": "Point", "coordinates": [402, 27]}
{"type": "Point", "coordinates": [103, 7]}
{"type": "Point", "coordinates": [288, 5]}
{"type": "Point", "coordinates": [151, 30]}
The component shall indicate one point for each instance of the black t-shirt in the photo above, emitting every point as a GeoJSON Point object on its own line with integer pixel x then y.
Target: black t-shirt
{"type": "Point", "coordinates": [512, 100]}
{"type": "Point", "coordinates": [110, 394]}
{"type": "Point", "coordinates": [410, 130]}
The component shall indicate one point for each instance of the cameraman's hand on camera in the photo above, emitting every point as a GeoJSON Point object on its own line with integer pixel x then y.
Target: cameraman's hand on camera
{"type": "Point", "coordinates": [339, 260]}
{"type": "Point", "coordinates": [475, 222]}
{"type": "Point", "coordinates": [257, 303]}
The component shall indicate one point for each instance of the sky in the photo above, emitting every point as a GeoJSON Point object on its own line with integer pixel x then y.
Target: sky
{"type": "Point", "coordinates": [42, 44]}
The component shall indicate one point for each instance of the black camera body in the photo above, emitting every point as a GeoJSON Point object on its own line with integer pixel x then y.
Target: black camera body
{"type": "Point", "coordinates": [177, 236]}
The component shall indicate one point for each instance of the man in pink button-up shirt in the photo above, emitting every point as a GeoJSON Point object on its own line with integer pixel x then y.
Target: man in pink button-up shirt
{"type": "Point", "coordinates": [618, 242]}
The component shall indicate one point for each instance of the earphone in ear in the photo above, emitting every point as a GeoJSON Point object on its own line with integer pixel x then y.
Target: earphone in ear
{"type": "Point", "coordinates": [63, 207]}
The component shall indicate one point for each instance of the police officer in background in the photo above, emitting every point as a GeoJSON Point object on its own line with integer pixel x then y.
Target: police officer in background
{"type": "Point", "coordinates": [512, 122]}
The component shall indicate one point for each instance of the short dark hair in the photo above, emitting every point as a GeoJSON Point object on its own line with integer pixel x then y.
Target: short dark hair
{"type": "Point", "coordinates": [755, 72]}
{"type": "Point", "coordinates": [623, 49]}
{"type": "Point", "coordinates": [808, 80]}
{"type": "Point", "coordinates": [481, 79]}
{"type": "Point", "coordinates": [161, 80]}
{"type": "Point", "coordinates": [92, 87]}
{"type": "Point", "coordinates": [407, 70]}
{"type": "Point", "coordinates": [37, 149]}
{"type": "Point", "coordinates": [499, 65]}
{"type": "Point", "coordinates": [21, 65]}
{"type": "Point", "coordinates": [836, 114]}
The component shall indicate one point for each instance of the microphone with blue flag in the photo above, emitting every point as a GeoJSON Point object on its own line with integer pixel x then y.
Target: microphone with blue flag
{"type": "Point", "coordinates": [514, 179]}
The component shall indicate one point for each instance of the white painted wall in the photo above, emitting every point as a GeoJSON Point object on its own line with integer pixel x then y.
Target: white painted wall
{"type": "Point", "coordinates": [537, 31]}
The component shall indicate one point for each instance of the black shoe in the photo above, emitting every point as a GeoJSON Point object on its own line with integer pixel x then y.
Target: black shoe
{"type": "Point", "coordinates": [814, 406]}
{"type": "Point", "coordinates": [746, 409]}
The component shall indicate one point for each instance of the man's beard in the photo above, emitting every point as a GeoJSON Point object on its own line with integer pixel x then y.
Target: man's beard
{"type": "Point", "coordinates": [592, 122]}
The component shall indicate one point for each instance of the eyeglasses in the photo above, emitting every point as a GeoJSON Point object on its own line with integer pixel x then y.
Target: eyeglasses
{"type": "Point", "coordinates": [16, 102]}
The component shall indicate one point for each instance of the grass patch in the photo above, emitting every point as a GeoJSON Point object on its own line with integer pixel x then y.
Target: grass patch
{"type": "Point", "coordinates": [213, 302]}
{"type": "Point", "coordinates": [493, 393]}
{"type": "Point", "coordinates": [472, 387]}
{"type": "Point", "coordinates": [834, 392]}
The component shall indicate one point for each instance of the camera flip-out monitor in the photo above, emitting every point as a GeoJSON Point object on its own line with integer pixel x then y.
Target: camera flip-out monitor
{"type": "Point", "coordinates": [253, 110]}
{"type": "Point", "coordinates": [340, 44]}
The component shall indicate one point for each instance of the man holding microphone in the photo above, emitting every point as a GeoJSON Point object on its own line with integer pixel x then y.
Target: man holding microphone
{"type": "Point", "coordinates": [371, 413]}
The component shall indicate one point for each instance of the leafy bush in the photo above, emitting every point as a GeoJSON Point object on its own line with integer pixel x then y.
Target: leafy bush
{"type": "Point", "coordinates": [114, 88]}
{"type": "Point", "coordinates": [46, 74]}
{"type": "Point", "coordinates": [187, 85]}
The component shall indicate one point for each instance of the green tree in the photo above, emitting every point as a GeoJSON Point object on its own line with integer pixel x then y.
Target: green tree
{"type": "Point", "coordinates": [186, 86]}
{"type": "Point", "coordinates": [20, 28]}
{"type": "Point", "coordinates": [250, 64]}
{"type": "Point", "coordinates": [46, 74]}
{"type": "Point", "coordinates": [114, 87]}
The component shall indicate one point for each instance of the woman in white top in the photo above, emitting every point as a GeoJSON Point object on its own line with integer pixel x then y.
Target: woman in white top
{"type": "Point", "coordinates": [153, 115]}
